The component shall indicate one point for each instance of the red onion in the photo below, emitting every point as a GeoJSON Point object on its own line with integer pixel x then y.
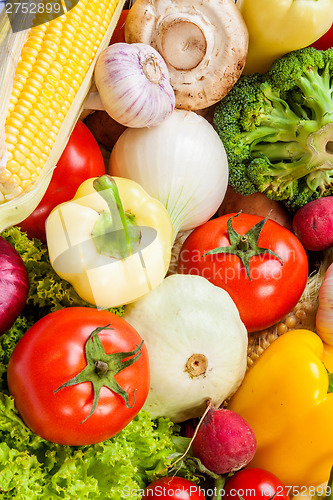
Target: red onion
{"type": "Point", "coordinates": [14, 285]}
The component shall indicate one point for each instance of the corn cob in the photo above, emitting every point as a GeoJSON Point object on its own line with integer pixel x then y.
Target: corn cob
{"type": "Point", "coordinates": [52, 79]}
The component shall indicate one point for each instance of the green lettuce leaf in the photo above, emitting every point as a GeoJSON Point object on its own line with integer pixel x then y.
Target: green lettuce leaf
{"type": "Point", "coordinates": [116, 469]}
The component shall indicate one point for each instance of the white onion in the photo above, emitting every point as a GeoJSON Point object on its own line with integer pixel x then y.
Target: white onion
{"type": "Point", "coordinates": [133, 84]}
{"type": "Point", "coordinates": [181, 162]}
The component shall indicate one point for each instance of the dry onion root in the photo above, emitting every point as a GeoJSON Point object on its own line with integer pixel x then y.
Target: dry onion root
{"type": "Point", "coordinates": [180, 238]}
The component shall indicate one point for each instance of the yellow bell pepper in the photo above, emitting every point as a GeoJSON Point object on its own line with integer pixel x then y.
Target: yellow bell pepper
{"type": "Point", "coordinates": [277, 27]}
{"type": "Point", "coordinates": [284, 397]}
{"type": "Point", "coordinates": [112, 241]}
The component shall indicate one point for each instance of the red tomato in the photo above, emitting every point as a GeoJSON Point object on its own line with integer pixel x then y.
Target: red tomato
{"type": "Point", "coordinates": [173, 488]}
{"type": "Point", "coordinates": [80, 160]}
{"type": "Point", "coordinates": [326, 41]}
{"type": "Point", "coordinates": [254, 483]}
{"type": "Point", "coordinates": [51, 353]}
{"type": "Point", "coordinates": [275, 287]}
{"type": "Point", "coordinates": [118, 35]}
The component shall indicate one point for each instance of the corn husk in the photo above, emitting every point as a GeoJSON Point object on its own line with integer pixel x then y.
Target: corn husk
{"type": "Point", "coordinates": [10, 49]}
{"type": "Point", "coordinates": [16, 210]}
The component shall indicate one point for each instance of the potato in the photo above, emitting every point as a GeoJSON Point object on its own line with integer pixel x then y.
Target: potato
{"type": "Point", "coordinates": [105, 130]}
{"type": "Point", "coordinates": [313, 224]}
{"type": "Point", "coordinates": [255, 204]}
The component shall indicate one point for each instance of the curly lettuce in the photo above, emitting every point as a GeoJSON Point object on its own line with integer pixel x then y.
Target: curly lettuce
{"type": "Point", "coordinates": [116, 469]}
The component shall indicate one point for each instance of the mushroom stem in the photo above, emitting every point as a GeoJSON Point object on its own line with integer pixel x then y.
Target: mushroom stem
{"type": "Point", "coordinates": [183, 44]}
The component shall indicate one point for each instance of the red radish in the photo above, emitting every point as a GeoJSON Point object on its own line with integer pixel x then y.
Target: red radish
{"type": "Point", "coordinates": [14, 285]}
{"type": "Point", "coordinates": [224, 441]}
{"type": "Point", "coordinates": [313, 224]}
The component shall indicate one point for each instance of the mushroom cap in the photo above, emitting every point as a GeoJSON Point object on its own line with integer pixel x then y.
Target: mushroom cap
{"type": "Point", "coordinates": [204, 44]}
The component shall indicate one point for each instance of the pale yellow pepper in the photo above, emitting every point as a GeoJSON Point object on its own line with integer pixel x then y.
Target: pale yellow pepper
{"type": "Point", "coordinates": [277, 27]}
{"type": "Point", "coordinates": [284, 397]}
{"type": "Point", "coordinates": [112, 241]}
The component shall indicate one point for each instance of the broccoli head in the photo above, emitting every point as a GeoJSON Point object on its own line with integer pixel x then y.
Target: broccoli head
{"type": "Point", "coordinates": [277, 129]}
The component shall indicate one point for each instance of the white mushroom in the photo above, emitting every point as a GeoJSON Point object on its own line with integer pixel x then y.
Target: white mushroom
{"type": "Point", "coordinates": [203, 42]}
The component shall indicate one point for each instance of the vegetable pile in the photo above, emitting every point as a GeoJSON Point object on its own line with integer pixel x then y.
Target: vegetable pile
{"type": "Point", "coordinates": [30, 466]}
{"type": "Point", "coordinates": [166, 325]}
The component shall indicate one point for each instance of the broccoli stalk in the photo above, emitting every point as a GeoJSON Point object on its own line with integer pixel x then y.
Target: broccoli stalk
{"type": "Point", "coordinates": [277, 129]}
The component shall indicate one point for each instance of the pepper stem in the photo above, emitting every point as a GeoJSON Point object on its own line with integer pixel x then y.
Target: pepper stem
{"type": "Point", "coordinates": [330, 381]}
{"type": "Point", "coordinates": [243, 243]}
{"type": "Point", "coordinates": [115, 232]}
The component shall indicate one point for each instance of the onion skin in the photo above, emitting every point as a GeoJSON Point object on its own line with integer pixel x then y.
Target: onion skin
{"type": "Point", "coordinates": [14, 285]}
{"type": "Point", "coordinates": [181, 162]}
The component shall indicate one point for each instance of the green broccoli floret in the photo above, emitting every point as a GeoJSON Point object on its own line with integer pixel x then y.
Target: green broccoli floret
{"type": "Point", "coordinates": [277, 129]}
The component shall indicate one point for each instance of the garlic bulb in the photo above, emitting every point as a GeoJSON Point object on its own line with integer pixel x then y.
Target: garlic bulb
{"type": "Point", "coordinates": [133, 84]}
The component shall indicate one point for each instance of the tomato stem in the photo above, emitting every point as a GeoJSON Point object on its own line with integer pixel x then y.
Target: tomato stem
{"type": "Point", "coordinates": [243, 244]}
{"type": "Point", "coordinates": [101, 368]}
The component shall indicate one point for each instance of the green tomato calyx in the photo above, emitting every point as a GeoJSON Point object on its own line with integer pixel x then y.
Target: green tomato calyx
{"type": "Point", "coordinates": [101, 368]}
{"type": "Point", "coordinates": [245, 246]}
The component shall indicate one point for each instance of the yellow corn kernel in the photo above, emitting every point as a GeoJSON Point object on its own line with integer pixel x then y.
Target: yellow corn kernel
{"type": "Point", "coordinates": [53, 64]}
